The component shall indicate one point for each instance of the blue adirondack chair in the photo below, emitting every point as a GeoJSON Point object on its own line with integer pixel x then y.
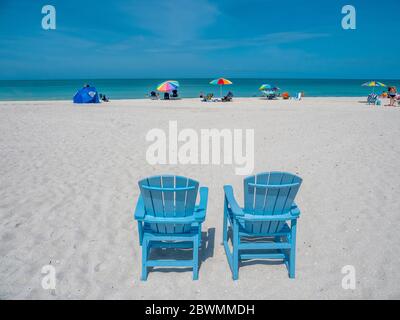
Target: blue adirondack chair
{"type": "Point", "coordinates": [168, 217]}
{"type": "Point", "coordinates": [261, 230]}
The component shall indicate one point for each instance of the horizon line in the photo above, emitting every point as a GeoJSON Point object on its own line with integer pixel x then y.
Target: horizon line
{"type": "Point", "coordinates": [206, 78]}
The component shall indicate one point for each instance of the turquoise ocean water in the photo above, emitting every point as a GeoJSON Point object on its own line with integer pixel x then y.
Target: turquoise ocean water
{"type": "Point", "coordinates": [190, 88]}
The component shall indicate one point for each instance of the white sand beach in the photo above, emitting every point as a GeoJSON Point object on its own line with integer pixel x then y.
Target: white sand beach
{"type": "Point", "coordinates": [68, 189]}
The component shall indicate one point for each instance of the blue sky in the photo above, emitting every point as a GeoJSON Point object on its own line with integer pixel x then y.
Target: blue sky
{"type": "Point", "coordinates": [199, 38]}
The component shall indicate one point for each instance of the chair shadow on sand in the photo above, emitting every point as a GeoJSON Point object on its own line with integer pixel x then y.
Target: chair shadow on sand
{"type": "Point", "coordinates": [206, 251]}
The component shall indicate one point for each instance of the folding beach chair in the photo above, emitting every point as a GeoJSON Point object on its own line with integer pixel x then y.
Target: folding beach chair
{"type": "Point", "coordinates": [372, 98]}
{"type": "Point", "coordinates": [298, 96]}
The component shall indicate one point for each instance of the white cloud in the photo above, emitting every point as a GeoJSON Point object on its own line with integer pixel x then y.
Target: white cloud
{"type": "Point", "coordinates": [177, 20]}
{"type": "Point", "coordinates": [265, 41]}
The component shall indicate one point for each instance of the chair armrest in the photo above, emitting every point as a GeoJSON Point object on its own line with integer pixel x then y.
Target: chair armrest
{"type": "Point", "coordinates": [230, 198]}
{"type": "Point", "coordinates": [294, 211]}
{"type": "Point", "coordinates": [201, 209]}
{"type": "Point", "coordinates": [140, 211]}
{"type": "Point", "coordinates": [267, 218]}
{"type": "Point", "coordinates": [170, 220]}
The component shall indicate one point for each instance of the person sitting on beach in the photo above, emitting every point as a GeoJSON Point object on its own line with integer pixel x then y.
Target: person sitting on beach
{"type": "Point", "coordinates": [175, 94]}
{"type": "Point", "coordinates": [228, 97]}
{"type": "Point", "coordinates": [201, 96]}
{"type": "Point", "coordinates": [209, 97]}
{"type": "Point", "coordinates": [166, 96]}
{"type": "Point", "coordinates": [103, 97]}
{"type": "Point", "coordinates": [153, 95]}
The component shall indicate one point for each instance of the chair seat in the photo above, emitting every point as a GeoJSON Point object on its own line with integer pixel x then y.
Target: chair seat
{"type": "Point", "coordinates": [243, 232]}
{"type": "Point", "coordinates": [285, 231]}
{"type": "Point", "coordinates": [147, 231]}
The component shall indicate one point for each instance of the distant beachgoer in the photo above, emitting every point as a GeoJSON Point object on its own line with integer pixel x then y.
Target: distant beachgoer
{"type": "Point", "coordinates": [209, 97]}
{"type": "Point", "coordinates": [166, 96]}
{"type": "Point", "coordinates": [392, 92]}
{"type": "Point", "coordinates": [175, 94]}
{"type": "Point", "coordinates": [153, 95]}
{"type": "Point", "coordinates": [103, 98]}
{"type": "Point", "coordinates": [86, 85]}
{"type": "Point", "coordinates": [201, 95]}
{"type": "Point", "coordinates": [228, 97]}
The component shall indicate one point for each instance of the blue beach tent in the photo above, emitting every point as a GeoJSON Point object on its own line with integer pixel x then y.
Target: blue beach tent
{"type": "Point", "coordinates": [87, 95]}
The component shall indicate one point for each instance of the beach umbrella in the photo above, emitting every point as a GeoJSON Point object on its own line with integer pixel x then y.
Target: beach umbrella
{"type": "Point", "coordinates": [168, 86]}
{"type": "Point", "coordinates": [221, 82]}
{"type": "Point", "coordinates": [373, 84]}
{"type": "Point", "coordinates": [268, 87]}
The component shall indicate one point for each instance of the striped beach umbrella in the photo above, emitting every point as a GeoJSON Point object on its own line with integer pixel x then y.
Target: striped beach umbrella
{"type": "Point", "coordinates": [268, 87]}
{"type": "Point", "coordinates": [373, 84]}
{"type": "Point", "coordinates": [168, 86]}
{"type": "Point", "coordinates": [221, 82]}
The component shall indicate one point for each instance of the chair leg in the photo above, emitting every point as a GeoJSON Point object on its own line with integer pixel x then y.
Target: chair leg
{"type": "Point", "coordinates": [144, 259]}
{"type": "Point", "coordinates": [225, 228]}
{"type": "Point", "coordinates": [235, 243]}
{"type": "Point", "coordinates": [200, 235]}
{"type": "Point", "coordinates": [229, 255]}
{"type": "Point", "coordinates": [140, 229]}
{"type": "Point", "coordinates": [292, 267]}
{"type": "Point", "coordinates": [196, 243]}
{"type": "Point", "coordinates": [292, 254]}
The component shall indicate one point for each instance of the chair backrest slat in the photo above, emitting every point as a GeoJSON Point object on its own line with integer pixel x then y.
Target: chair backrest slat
{"type": "Point", "coordinates": [272, 194]}
{"type": "Point", "coordinates": [190, 200]}
{"type": "Point", "coordinates": [146, 194]}
{"type": "Point", "coordinates": [168, 182]}
{"type": "Point", "coordinates": [259, 198]}
{"type": "Point", "coordinates": [158, 203]}
{"type": "Point", "coordinates": [191, 197]}
{"type": "Point", "coordinates": [180, 201]}
{"type": "Point", "coordinates": [249, 193]}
